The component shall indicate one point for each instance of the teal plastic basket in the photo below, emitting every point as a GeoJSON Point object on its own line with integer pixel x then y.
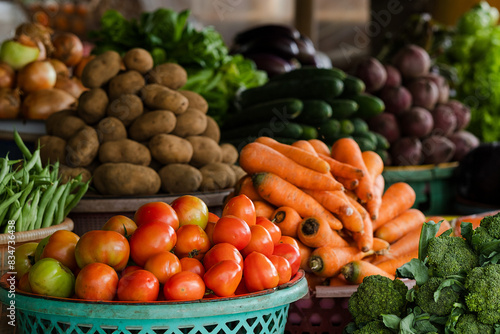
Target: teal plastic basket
{"type": "Point", "coordinates": [262, 312]}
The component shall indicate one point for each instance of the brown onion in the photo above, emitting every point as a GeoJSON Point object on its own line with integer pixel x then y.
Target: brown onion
{"type": "Point", "coordinates": [36, 75]}
{"type": "Point", "coordinates": [7, 76]}
{"type": "Point", "coordinates": [9, 103]}
{"type": "Point", "coordinates": [60, 67]}
{"type": "Point", "coordinates": [41, 104]}
{"type": "Point", "coordinates": [72, 86]}
{"type": "Point", "coordinates": [68, 48]}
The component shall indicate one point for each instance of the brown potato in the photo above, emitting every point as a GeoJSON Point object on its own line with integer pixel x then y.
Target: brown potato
{"type": "Point", "coordinates": [212, 130]}
{"type": "Point", "coordinates": [101, 69]}
{"type": "Point", "coordinates": [138, 59]}
{"type": "Point", "coordinates": [82, 148]}
{"type": "Point", "coordinates": [152, 123]}
{"type": "Point", "coordinates": [67, 173]}
{"type": "Point", "coordinates": [53, 120]}
{"type": "Point", "coordinates": [180, 178]}
{"type": "Point", "coordinates": [192, 122]}
{"type": "Point", "coordinates": [129, 82]}
{"type": "Point", "coordinates": [170, 149]}
{"type": "Point", "coordinates": [124, 150]}
{"type": "Point", "coordinates": [124, 179]}
{"type": "Point", "coordinates": [195, 100]}
{"type": "Point", "coordinates": [126, 108]}
{"type": "Point", "coordinates": [68, 126]}
{"type": "Point", "coordinates": [170, 75]}
{"type": "Point", "coordinates": [110, 128]}
{"type": "Point", "coordinates": [205, 151]}
{"type": "Point", "coordinates": [229, 153]}
{"type": "Point", "coordinates": [52, 149]}
{"type": "Point", "coordinates": [158, 97]}
{"type": "Point", "coordinates": [92, 105]}
{"type": "Point", "coordinates": [217, 176]}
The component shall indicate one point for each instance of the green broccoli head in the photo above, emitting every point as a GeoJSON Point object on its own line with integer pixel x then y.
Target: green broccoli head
{"type": "Point", "coordinates": [483, 293]}
{"type": "Point", "coordinates": [492, 225]}
{"type": "Point", "coordinates": [374, 327]}
{"type": "Point", "coordinates": [468, 323]}
{"type": "Point", "coordinates": [424, 297]}
{"type": "Point", "coordinates": [480, 237]}
{"type": "Point", "coordinates": [375, 296]}
{"type": "Point", "coordinates": [447, 255]}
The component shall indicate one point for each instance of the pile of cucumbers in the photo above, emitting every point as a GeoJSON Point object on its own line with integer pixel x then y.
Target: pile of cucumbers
{"type": "Point", "coordinates": [306, 103]}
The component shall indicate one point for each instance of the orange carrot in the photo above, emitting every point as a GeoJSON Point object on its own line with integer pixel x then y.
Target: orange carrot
{"type": "Point", "coordinates": [334, 201]}
{"type": "Point", "coordinates": [380, 246]}
{"type": "Point", "coordinates": [257, 158]}
{"type": "Point", "coordinates": [287, 219]}
{"type": "Point", "coordinates": [338, 280]}
{"type": "Point", "coordinates": [375, 166]}
{"type": "Point", "coordinates": [264, 209]}
{"type": "Point", "coordinates": [340, 169]}
{"type": "Point", "coordinates": [398, 198]}
{"type": "Point", "coordinates": [356, 271]}
{"type": "Point", "coordinates": [326, 261]}
{"type": "Point", "coordinates": [245, 187]}
{"type": "Point", "coordinates": [364, 239]}
{"type": "Point", "coordinates": [373, 205]}
{"type": "Point", "coordinates": [349, 184]}
{"type": "Point", "coordinates": [299, 155]}
{"type": "Point", "coordinates": [315, 232]}
{"type": "Point", "coordinates": [306, 146]}
{"type": "Point", "coordinates": [390, 265]}
{"type": "Point", "coordinates": [346, 150]}
{"type": "Point", "coordinates": [305, 253]}
{"type": "Point", "coordinates": [280, 192]}
{"type": "Point", "coordinates": [319, 146]}
{"type": "Point", "coordinates": [397, 227]}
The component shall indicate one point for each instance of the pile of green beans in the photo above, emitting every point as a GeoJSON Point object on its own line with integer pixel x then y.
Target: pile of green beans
{"type": "Point", "coordinates": [32, 195]}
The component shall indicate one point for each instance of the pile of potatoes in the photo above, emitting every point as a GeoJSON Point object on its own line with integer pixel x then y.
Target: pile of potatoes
{"type": "Point", "coordinates": [134, 132]}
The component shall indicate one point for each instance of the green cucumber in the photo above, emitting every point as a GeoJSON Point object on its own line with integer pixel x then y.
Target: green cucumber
{"type": "Point", "coordinates": [353, 86]}
{"type": "Point", "coordinates": [269, 129]}
{"type": "Point", "coordinates": [310, 73]}
{"type": "Point", "coordinates": [369, 105]}
{"type": "Point", "coordinates": [382, 142]}
{"type": "Point", "coordinates": [329, 129]}
{"type": "Point", "coordinates": [314, 112]}
{"type": "Point", "coordinates": [364, 143]}
{"type": "Point", "coordinates": [281, 109]}
{"type": "Point", "coordinates": [308, 132]}
{"type": "Point", "coordinates": [343, 108]}
{"type": "Point", "coordinates": [320, 89]}
{"type": "Point", "coordinates": [370, 135]}
{"type": "Point", "coordinates": [360, 125]}
{"type": "Point", "coordinates": [346, 127]}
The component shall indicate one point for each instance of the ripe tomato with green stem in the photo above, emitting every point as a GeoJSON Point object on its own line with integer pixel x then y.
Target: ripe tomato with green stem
{"type": "Point", "coordinates": [24, 258]}
{"type": "Point", "coordinates": [121, 224]}
{"type": "Point", "coordinates": [60, 245]}
{"type": "Point", "coordinates": [193, 265]}
{"type": "Point", "coordinates": [192, 241]}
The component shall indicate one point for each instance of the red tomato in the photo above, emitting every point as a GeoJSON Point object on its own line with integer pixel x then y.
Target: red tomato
{"type": "Point", "coordinates": [260, 241]}
{"type": "Point", "coordinates": [232, 230]}
{"type": "Point", "coordinates": [271, 227]}
{"type": "Point", "coordinates": [290, 253]}
{"type": "Point", "coordinates": [283, 267]}
{"type": "Point", "coordinates": [156, 211]}
{"type": "Point", "coordinates": [121, 224]}
{"type": "Point", "coordinates": [285, 239]}
{"type": "Point", "coordinates": [209, 230]}
{"type": "Point", "coordinates": [185, 285]}
{"type": "Point", "coordinates": [193, 265]}
{"type": "Point", "coordinates": [61, 246]}
{"type": "Point", "coordinates": [223, 278]}
{"type": "Point", "coordinates": [151, 238]}
{"type": "Point", "coordinates": [192, 241]}
{"type": "Point", "coordinates": [107, 247]}
{"type": "Point", "coordinates": [140, 285]}
{"type": "Point", "coordinates": [220, 252]}
{"type": "Point", "coordinates": [212, 217]}
{"type": "Point", "coordinates": [259, 272]}
{"type": "Point", "coordinates": [191, 210]}
{"type": "Point", "coordinates": [241, 289]}
{"type": "Point", "coordinates": [129, 269]}
{"type": "Point", "coordinates": [96, 281]}
{"type": "Point", "coordinates": [163, 265]}
{"type": "Point", "coordinates": [242, 207]}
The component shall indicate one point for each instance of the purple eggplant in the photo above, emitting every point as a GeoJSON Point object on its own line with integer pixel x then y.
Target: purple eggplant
{"type": "Point", "coordinates": [270, 63]}
{"type": "Point", "coordinates": [267, 30]}
{"type": "Point", "coordinates": [281, 46]}
{"type": "Point", "coordinates": [306, 50]}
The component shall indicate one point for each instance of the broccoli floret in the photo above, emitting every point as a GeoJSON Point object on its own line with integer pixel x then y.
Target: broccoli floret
{"type": "Point", "coordinates": [375, 296]}
{"type": "Point", "coordinates": [480, 237]}
{"type": "Point", "coordinates": [424, 297]}
{"type": "Point", "coordinates": [483, 296]}
{"type": "Point", "coordinates": [468, 323]}
{"type": "Point", "coordinates": [374, 327]}
{"type": "Point", "coordinates": [492, 225]}
{"type": "Point", "coordinates": [449, 255]}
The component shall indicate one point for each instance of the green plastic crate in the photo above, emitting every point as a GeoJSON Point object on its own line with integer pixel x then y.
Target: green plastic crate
{"type": "Point", "coordinates": [434, 185]}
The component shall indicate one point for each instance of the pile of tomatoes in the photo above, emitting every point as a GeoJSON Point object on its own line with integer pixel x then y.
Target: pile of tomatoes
{"type": "Point", "coordinates": [178, 251]}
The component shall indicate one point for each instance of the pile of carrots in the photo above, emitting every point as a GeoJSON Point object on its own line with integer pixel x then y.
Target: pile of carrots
{"type": "Point", "coordinates": [331, 201]}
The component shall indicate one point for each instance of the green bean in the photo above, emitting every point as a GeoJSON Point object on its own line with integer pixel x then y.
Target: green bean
{"type": "Point", "coordinates": [48, 216]}
{"type": "Point", "coordinates": [4, 206]}
{"type": "Point", "coordinates": [2, 217]}
{"type": "Point", "coordinates": [16, 216]}
{"type": "Point", "coordinates": [26, 192]}
{"type": "Point", "coordinates": [78, 196]}
{"type": "Point", "coordinates": [54, 174]}
{"type": "Point", "coordinates": [7, 179]}
{"type": "Point", "coordinates": [46, 197]}
{"type": "Point", "coordinates": [5, 168]}
{"type": "Point", "coordinates": [26, 168]}
{"type": "Point", "coordinates": [26, 152]}
{"type": "Point", "coordinates": [24, 213]}
{"type": "Point", "coordinates": [59, 216]}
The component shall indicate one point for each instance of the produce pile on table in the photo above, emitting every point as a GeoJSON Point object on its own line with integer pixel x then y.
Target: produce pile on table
{"type": "Point", "coordinates": [166, 252]}
{"type": "Point", "coordinates": [34, 196]}
{"type": "Point", "coordinates": [332, 202]}
{"type": "Point", "coordinates": [39, 72]}
{"type": "Point", "coordinates": [135, 133]}
{"type": "Point", "coordinates": [457, 286]}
